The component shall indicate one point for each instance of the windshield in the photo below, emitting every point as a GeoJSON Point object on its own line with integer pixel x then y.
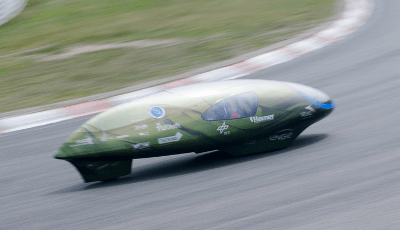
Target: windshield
{"type": "Point", "coordinates": [235, 107]}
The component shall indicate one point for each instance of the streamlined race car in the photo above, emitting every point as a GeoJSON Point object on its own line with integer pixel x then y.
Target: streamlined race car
{"type": "Point", "coordinates": [236, 116]}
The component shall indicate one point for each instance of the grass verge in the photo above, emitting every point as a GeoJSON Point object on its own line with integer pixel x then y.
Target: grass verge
{"type": "Point", "coordinates": [208, 30]}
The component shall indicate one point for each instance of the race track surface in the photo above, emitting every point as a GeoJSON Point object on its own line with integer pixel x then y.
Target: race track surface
{"type": "Point", "coordinates": [341, 173]}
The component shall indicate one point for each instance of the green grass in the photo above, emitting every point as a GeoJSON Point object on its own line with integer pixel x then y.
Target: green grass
{"type": "Point", "coordinates": [211, 31]}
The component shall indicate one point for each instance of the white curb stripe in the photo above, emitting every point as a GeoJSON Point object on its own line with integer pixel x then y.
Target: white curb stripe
{"type": "Point", "coordinates": [355, 13]}
{"type": "Point", "coordinates": [10, 9]}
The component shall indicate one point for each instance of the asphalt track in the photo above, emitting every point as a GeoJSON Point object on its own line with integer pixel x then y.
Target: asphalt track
{"type": "Point", "coordinates": [341, 173]}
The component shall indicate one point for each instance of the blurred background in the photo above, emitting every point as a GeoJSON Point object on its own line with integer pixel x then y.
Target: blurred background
{"type": "Point", "coordinates": [56, 50]}
{"type": "Point", "coordinates": [341, 173]}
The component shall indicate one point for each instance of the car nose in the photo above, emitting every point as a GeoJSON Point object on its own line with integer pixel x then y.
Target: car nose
{"type": "Point", "coordinates": [315, 96]}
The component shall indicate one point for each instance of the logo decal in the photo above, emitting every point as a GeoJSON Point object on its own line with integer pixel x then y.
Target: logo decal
{"type": "Point", "coordinates": [167, 127]}
{"type": "Point", "coordinates": [256, 119]}
{"type": "Point", "coordinates": [175, 138]}
{"type": "Point", "coordinates": [141, 146]}
{"type": "Point", "coordinates": [139, 127]}
{"type": "Point", "coordinates": [309, 113]}
{"type": "Point", "coordinates": [87, 141]}
{"type": "Point", "coordinates": [222, 128]}
{"type": "Point", "coordinates": [157, 112]}
{"type": "Point", "coordinates": [106, 138]}
{"type": "Point", "coordinates": [282, 135]}
{"type": "Point", "coordinates": [309, 108]}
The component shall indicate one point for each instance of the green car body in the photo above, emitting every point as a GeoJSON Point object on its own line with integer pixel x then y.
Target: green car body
{"type": "Point", "coordinates": [236, 116]}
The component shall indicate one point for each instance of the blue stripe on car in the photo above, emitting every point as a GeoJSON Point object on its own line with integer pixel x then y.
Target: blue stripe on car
{"type": "Point", "coordinates": [317, 103]}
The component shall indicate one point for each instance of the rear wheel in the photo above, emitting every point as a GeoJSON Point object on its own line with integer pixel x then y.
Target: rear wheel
{"type": "Point", "coordinates": [92, 170]}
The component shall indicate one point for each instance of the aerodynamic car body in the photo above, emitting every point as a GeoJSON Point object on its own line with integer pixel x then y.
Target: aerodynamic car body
{"type": "Point", "coordinates": [236, 116]}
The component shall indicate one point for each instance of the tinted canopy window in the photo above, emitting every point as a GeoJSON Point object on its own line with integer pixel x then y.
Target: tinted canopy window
{"type": "Point", "coordinates": [235, 107]}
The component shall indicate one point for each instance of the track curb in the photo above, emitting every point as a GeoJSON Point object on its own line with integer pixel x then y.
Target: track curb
{"type": "Point", "coordinates": [354, 15]}
{"type": "Point", "coordinates": [10, 8]}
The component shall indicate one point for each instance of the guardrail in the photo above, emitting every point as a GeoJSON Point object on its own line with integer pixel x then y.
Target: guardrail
{"type": "Point", "coordinates": [10, 9]}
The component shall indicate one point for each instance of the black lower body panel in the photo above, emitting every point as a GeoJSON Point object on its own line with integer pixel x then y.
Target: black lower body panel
{"type": "Point", "coordinates": [92, 170]}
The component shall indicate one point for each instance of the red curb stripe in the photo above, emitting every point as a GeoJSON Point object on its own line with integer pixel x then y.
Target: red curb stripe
{"type": "Point", "coordinates": [87, 108]}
